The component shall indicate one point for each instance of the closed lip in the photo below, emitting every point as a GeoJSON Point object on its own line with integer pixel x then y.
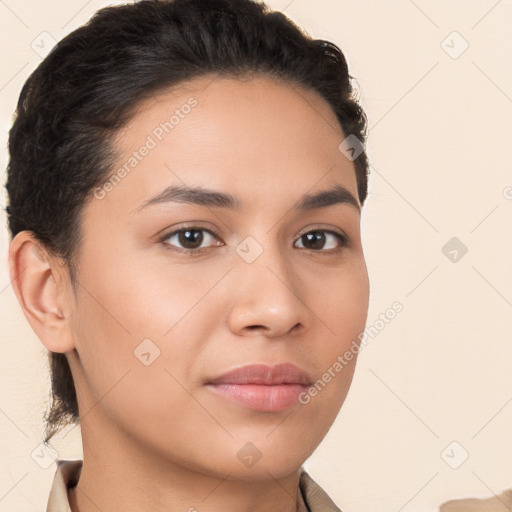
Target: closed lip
{"type": "Point", "coordinates": [263, 374]}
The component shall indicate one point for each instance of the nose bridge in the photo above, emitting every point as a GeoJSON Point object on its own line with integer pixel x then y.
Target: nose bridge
{"type": "Point", "coordinates": [265, 259]}
{"type": "Point", "coordinates": [267, 294]}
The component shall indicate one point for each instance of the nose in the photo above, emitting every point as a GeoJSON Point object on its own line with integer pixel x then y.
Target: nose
{"type": "Point", "coordinates": [267, 297]}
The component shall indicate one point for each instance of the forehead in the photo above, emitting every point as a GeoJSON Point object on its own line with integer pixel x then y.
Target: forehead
{"type": "Point", "coordinates": [227, 133]}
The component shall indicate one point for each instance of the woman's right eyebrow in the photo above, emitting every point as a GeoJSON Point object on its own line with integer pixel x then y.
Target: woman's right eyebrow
{"type": "Point", "coordinates": [216, 199]}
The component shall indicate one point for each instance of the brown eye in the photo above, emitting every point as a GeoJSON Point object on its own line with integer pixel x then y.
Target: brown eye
{"type": "Point", "coordinates": [189, 239]}
{"type": "Point", "coordinates": [316, 240]}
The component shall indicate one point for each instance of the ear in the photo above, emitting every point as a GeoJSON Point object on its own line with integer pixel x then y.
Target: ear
{"type": "Point", "coordinates": [39, 282]}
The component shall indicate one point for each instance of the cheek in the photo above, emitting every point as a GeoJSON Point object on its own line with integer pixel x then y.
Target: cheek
{"type": "Point", "coordinates": [342, 302]}
{"type": "Point", "coordinates": [130, 312]}
{"type": "Point", "coordinates": [131, 369]}
{"type": "Point", "coordinates": [131, 296]}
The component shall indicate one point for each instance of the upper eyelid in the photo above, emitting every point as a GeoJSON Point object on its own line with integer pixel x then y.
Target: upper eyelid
{"type": "Point", "coordinates": [213, 231]}
{"type": "Point", "coordinates": [191, 227]}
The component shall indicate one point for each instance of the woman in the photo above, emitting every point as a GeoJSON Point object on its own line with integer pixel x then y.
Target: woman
{"type": "Point", "coordinates": [185, 185]}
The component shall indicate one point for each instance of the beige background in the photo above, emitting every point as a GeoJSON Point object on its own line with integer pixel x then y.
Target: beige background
{"type": "Point", "coordinates": [440, 148]}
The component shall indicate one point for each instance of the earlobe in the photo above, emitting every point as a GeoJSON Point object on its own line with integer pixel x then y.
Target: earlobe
{"type": "Point", "coordinates": [39, 288]}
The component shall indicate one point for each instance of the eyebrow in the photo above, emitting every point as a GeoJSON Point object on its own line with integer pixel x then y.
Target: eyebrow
{"type": "Point", "coordinates": [213, 198]}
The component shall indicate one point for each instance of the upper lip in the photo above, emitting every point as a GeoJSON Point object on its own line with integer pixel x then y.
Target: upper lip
{"type": "Point", "coordinates": [284, 373]}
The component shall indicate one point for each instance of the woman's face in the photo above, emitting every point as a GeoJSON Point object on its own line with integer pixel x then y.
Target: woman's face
{"type": "Point", "coordinates": [269, 282]}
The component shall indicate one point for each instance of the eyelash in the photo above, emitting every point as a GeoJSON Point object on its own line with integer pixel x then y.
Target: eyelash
{"type": "Point", "coordinates": [343, 240]}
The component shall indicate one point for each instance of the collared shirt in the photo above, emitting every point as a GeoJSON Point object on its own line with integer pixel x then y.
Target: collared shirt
{"type": "Point", "coordinates": [500, 503]}
{"type": "Point", "coordinates": [311, 498]}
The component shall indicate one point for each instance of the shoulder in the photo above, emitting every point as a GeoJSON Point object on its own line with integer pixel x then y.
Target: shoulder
{"type": "Point", "coordinates": [315, 498]}
{"type": "Point", "coordinates": [499, 503]}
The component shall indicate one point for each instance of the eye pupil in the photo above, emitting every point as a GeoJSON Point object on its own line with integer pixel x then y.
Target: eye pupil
{"type": "Point", "coordinates": [317, 237]}
{"type": "Point", "coordinates": [195, 235]}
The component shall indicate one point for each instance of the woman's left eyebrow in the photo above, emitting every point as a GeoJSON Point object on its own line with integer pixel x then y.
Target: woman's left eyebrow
{"type": "Point", "coordinates": [212, 198]}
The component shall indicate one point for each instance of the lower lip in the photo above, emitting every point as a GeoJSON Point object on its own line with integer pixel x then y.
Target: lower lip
{"type": "Point", "coordinates": [259, 397]}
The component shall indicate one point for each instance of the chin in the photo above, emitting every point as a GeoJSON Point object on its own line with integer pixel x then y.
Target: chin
{"type": "Point", "coordinates": [265, 470]}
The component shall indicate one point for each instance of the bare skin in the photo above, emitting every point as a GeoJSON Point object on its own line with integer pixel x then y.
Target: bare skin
{"type": "Point", "coordinates": [155, 437]}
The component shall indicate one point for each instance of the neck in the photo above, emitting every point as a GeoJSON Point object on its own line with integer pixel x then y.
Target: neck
{"type": "Point", "coordinates": [118, 475]}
